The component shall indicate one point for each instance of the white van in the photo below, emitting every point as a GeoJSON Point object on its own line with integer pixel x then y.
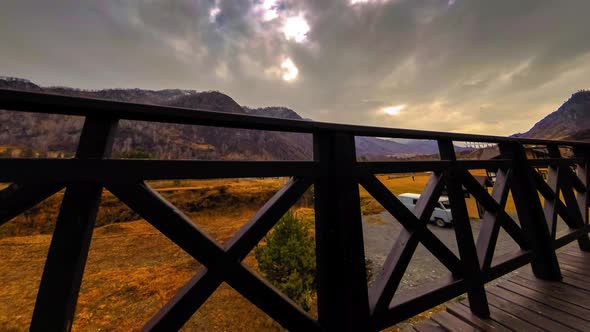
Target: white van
{"type": "Point", "coordinates": [441, 216]}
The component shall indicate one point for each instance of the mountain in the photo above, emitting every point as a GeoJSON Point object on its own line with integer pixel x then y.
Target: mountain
{"type": "Point", "coordinates": [570, 121]}
{"type": "Point", "coordinates": [53, 135]}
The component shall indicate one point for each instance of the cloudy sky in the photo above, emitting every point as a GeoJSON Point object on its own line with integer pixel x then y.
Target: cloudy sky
{"type": "Point", "coordinates": [477, 66]}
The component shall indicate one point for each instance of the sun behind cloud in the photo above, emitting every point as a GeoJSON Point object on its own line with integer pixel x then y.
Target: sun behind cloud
{"type": "Point", "coordinates": [290, 71]}
{"type": "Point", "coordinates": [296, 28]}
{"type": "Point", "coordinates": [393, 110]}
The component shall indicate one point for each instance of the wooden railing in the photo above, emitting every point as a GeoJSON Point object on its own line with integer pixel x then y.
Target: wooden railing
{"type": "Point", "coordinates": [345, 302]}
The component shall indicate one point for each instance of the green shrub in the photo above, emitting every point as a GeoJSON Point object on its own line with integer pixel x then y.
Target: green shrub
{"type": "Point", "coordinates": [287, 259]}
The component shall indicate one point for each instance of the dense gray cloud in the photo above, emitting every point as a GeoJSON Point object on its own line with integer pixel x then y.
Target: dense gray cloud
{"type": "Point", "coordinates": [491, 67]}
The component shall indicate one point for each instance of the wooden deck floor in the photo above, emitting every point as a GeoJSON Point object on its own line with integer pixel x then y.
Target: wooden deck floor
{"type": "Point", "coordinates": [524, 303]}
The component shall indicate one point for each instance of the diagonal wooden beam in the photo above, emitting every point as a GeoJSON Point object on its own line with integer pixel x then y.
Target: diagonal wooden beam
{"type": "Point", "coordinates": [530, 212]}
{"type": "Point", "coordinates": [583, 175]}
{"type": "Point", "coordinates": [182, 231]}
{"type": "Point", "coordinates": [549, 195]}
{"type": "Point", "coordinates": [463, 233]}
{"type": "Point", "coordinates": [411, 223]}
{"type": "Point", "coordinates": [551, 204]}
{"type": "Point", "coordinates": [190, 298]}
{"type": "Point", "coordinates": [488, 234]}
{"type": "Point", "coordinates": [576, 219]}
{"type": "Point", "coordinates": [261, 223]}
{"type": "Point", "coordinates": [18, 198]}
{"type": "Point", "coordinates": [491, 205]}
{"type": "Point", "coordinates": [180, 308]}
{"type": "Point", "coordinates": [396, 263]}
{"type": "Point", "coordinates": [68, 251]}
{"type": "Point", "coordinates": [394, 267]}
{"type": "Point", "coordinates": [570, 211]}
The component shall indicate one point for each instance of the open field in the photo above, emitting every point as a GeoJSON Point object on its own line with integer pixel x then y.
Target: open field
{"type": "Point", "coordinates": [133, 270]}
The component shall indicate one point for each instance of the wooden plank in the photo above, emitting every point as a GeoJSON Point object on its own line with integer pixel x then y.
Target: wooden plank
{"type": "Point", "coordinates": [540, 308]}
{"type": "Point", "coordinates": [452, 323]}
{"type": "Point", "coordinates": [429, 326]}
{"type": "Point", "coordinates": [582, 272]}
{"type": "Point", "coordinates": [583, 258]}
{"type": "Point", "coordinates": [555, 289]}
{"type": "Point", "coordinates": [384, 167]}
{"type": "Point", "coordinates": [554, 302]}
{"type": "Point", "coordinates": [508, 319]}
{"type": "Point", "coordinates": [579, 262]}
{"type": "Point", "coordinates": [576, 282]}
{"type": "Point", "coordinates": [575, 275]}
{"type": "Point", "coordinates": [527, 314]}
{"type": "Point", "coordinates": [465, 314]}
{"type": "Point", "coordinates": [43, 171]}
{"type": "Point", "coordinates": [571, 250]}
{"type": "Point", "coordinates": [580, 265]}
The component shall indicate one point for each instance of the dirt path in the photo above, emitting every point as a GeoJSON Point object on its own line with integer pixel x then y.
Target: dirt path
{"type": "Point", "coordinates": [381, 231]}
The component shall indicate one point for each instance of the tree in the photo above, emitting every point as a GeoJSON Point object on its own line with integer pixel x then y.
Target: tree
{"type": "Point", "coordinates": [287, 259]}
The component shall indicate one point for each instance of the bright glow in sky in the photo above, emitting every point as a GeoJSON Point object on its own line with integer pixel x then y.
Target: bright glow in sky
{"type": "Point", "coordinates": [448, 61]}
{"type": "Point", "coordinates": [213, 14]}
{"type": "Point", "coordinates": [290, 71]}
{"type": "Point", "coordinates": [296, 28]}
{"type": "Point", "coordinates": [354, 2]}
{"type": "Point", "coordinates": [270, 10]}
{"type": "Point", "coordinates": [393, 110]}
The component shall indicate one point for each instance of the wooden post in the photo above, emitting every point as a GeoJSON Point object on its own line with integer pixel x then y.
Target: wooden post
{"type": "Point", "coordinates": [62, 275]}
{"type": "Point", "coordinates": [343, 302]}
{"type": "Point", "coordinates": [478, 301]}
{"type": "Point", "coordinates": [530, 213]}
{"type": "Point", "coordinates": [583, 197]}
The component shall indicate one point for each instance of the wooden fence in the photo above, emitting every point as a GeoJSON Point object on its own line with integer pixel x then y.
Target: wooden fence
{"type": "Point", "coordinates": [345, 302]}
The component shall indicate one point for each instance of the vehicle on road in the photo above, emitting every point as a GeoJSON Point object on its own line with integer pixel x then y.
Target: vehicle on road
{"type": "Point", "coordinates": [441, 216]}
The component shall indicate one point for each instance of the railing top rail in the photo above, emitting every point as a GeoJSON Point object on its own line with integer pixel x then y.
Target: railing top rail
{"type": "Point", "coordinates": [36, 102]}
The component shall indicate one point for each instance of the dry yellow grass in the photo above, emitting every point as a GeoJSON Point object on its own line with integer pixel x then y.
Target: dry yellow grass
{"type": "Point", "coordinates": [133, 270]}
{"type": "Point", "coordinates": [399, 185]}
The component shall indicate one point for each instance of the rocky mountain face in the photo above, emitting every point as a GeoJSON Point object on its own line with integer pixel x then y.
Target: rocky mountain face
{"type": "Point", "coordinates": [570, 121]}
{"type": "Point", "coordinates": [53, 135]}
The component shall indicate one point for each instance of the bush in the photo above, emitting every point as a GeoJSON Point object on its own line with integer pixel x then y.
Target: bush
{"type": "Point", "coordinates": [287, 259]}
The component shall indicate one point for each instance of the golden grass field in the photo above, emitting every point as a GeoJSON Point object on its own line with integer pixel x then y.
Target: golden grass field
{"type": "Point", "coordinates": [133, 270]}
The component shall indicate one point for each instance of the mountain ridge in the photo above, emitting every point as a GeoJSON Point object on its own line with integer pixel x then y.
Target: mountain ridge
{"type": "Point", "coordinates": [571, 121]}
{"type": "Point", "coordinates": [46, 132]}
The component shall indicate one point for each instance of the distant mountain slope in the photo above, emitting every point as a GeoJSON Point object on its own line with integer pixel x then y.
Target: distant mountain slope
{"type": "Point", "coordinates": [570, 121]}
{"type": "Point", "coordinates": [50, 134]}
